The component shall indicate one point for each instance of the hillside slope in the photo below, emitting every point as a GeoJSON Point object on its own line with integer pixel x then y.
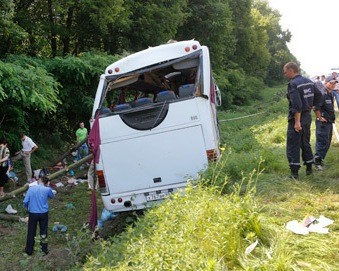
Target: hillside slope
{"type": "Point", "coordinates": [246, 197]}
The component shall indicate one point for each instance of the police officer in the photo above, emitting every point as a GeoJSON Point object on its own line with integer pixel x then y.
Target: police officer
{"type": "Point", "coordinates": [302, 96]}
{"type": "Point", "coordinates": [324, 123]}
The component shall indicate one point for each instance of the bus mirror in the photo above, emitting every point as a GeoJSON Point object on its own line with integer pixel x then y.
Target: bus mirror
{"type": "Point", "coordinates": [217, 96]}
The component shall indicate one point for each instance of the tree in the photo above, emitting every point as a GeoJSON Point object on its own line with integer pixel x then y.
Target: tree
{"type": "Point", "coordinates": [28, 87]}
{"type": "Point", "coordinates": [209, 21]}
{"type": "Point", "coordinates": [67, 26]}
{"type": "Point", "coordinates": [154, 22]}
{"type": "Point", "coordinates": [242, 19]}
{"type": "Point", "coordinates": [11, 34]}
{"type": "Point", "coordinates": [277, 41]}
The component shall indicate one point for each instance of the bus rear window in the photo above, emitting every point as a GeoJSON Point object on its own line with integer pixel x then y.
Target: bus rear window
{"type": "Point", "coordinates": [161, 83]}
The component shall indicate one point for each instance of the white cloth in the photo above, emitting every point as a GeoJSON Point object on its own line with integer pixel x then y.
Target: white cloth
{"type": "Point", "coordinates": [27, 144]}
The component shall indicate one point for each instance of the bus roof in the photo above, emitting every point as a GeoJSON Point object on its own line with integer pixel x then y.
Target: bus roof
{"type": "Point", "coordinates": [151, 56]}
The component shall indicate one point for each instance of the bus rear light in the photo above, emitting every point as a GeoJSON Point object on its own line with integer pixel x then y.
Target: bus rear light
{"type": "Point", "coordinates": [110, 71]}
{"type": "Point", "coordinates": [112, 201]}
{"type": "Point", "coordinates": [101, 179]}
{"type": "Point", "coordinates": [117, 69]}
{"type": "Point", "coordinates": [212, 155]}
{"type": "Point", "coordinates": [187, 49]}
{"type": "Point", "coordinates": [194, 47]}
{"type": "Point", "coordinates": [119, 200]}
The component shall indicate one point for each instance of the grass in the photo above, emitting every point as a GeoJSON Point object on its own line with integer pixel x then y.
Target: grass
{"type": "Point", "coordinates": [247, 196]}
{"type": "Point", "coordinates": [66, 249]}
{"type": "Point", "coordinates": [244, 197]}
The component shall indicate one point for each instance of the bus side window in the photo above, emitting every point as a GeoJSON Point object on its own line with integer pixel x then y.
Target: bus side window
{"type": "Point", "coordinates": [166, 95]}
{"type": "Point", "coordinates": [142, 101]}
{"type": "Point", "coordinates": [120, 107]}
{"type": "Point", "coordinates": [186, 90]}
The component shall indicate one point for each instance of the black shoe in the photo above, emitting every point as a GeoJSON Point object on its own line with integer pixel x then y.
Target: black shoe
{"type": "Point", "coordinates": [28, 253]}
{"type": "Point", "coordinates": [294, 175]}
{"type": "Point", "coordinates": [309, 171]}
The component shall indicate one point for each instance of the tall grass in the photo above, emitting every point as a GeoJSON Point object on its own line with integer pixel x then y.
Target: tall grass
{"type": "Point", "coordinates": [201, 230]}
{"type": "Point", "coordinates": [246, 196]}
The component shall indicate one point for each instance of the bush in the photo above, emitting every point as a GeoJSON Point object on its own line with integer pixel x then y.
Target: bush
{"type": "Point", "coordinates": [237, 88]}
{"type": "Point", "coordinates": [200, 231]}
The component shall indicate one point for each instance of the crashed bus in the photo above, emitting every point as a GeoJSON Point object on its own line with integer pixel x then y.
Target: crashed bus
{"type": "Point", "coordinates": [158, 124]}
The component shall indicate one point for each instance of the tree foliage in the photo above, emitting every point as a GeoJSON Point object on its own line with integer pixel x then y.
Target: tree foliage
{"type": "Point", "coordinates": [154, 21]}
{"type": "Point", "coordinates": [46, 70]}
{"type": "Point", "coordinates": [11, 34]}
{"type": "Point", "coordinates": [210, 23]}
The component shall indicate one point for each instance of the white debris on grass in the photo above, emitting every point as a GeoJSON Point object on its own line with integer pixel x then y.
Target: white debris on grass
{"type": "Point", "coordinates": [251, 247]}
{"type": "Point", "coordinates": [310, 224]}
{"type": "Point", "coordinates": [9, 209]}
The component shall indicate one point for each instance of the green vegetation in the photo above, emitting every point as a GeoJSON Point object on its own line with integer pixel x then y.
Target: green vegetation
{"type": "Point", "coordinates": [53, 52]}
{"type": "Point", "coordinates": [199, 231]}
{"type": "Point", "coordinates": [66, 248]}
{"type": "Point", "coordinates": [244, 197]}
{"type": "Point", "coordinates": [51, 55]}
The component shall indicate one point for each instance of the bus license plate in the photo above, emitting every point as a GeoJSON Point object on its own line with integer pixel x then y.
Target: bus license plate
{"type": "Point", "coordinates": [160, 196]}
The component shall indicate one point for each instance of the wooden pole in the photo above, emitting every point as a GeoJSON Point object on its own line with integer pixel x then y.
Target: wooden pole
{"type": "Point", "coordinates": [52, 176]}
{"type": "Point", "coordinates": [73, 148]}
{"type": "Point", "coordinates": [74, 165]}
{"type": "Point", "coordinates": [10, 217]}
{"type": "Point", "coordinates": [13, 193]}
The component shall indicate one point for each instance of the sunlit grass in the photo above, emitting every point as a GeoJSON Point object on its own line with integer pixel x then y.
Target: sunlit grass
{"type": "Point", "coordinates": [201, 230]}
{"type": "Point", "coordinates": [246, 196]}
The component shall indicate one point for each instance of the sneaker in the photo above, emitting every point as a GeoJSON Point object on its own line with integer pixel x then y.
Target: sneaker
{"type": "Point", "coordinates": [318, 167]}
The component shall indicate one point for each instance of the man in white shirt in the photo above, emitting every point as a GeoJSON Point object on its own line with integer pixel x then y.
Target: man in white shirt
{"type": "Point", "coordinates": [28, 147]}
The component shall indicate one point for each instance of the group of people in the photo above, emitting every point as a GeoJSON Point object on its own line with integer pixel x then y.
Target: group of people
{"type": "Point", "coordinates": [36, 198]}
{"type": "Point", "coordinates": [305, 96]}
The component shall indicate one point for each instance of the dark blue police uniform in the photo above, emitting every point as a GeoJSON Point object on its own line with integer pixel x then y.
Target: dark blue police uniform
{"type": "Point", "coordinates": [324, 130]}
{"type": "Point", "coordinates": [301, 94]}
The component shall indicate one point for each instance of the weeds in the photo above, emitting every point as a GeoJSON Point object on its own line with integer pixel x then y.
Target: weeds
{"type": "Point", "coordinates": [244, 197]}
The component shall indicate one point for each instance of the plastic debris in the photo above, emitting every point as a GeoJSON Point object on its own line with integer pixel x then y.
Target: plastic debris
{"type": "Point", "coordinates": [73, 181]}
{"type": "Point", "coordinates": [251, 247]}
{"type": "Point", "coordinates": [105, 215]}
{"type": "Point", "coordinates": [70, 206]}
{"type": "Point", "coordinates": [59, 184]}
{"type": "Point", "coordinates": [297, 228]}
{"type": "Point", "coordinates": [310, 224]}
{"type": "Point", "coordinates": [9, 209]}
{"type": "Point", "coordinates": [24, 219]}
{"type": "Point", "coordinates": [59, 227]}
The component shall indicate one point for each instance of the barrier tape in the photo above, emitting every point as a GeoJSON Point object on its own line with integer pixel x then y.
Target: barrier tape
{"type": "Point", "coordinates": [247, 116]}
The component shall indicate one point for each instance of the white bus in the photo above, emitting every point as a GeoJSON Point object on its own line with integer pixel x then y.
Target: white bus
{"type": "Point", "coordinates": [158, 124]}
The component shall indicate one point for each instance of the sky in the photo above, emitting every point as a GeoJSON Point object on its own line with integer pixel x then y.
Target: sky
{"type": "Point", "coordinates": [314, 27]}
